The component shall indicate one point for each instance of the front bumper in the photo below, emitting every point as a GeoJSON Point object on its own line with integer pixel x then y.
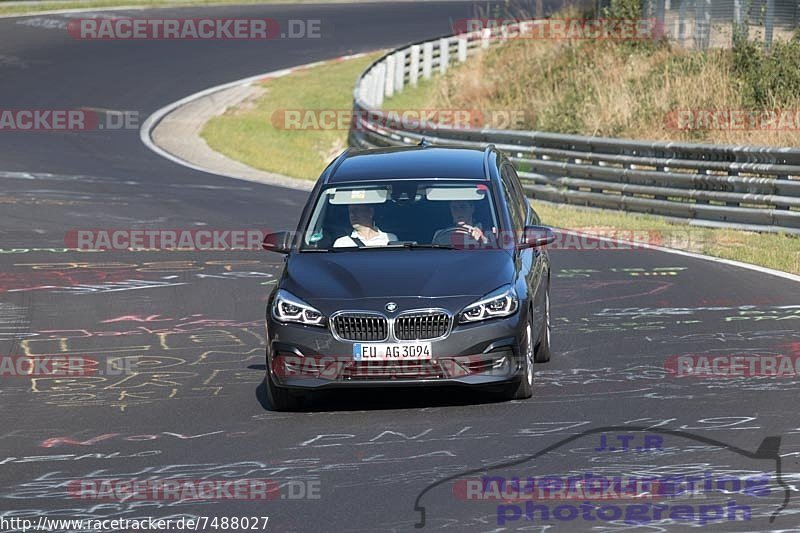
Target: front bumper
{"type": "Point", "coordinates": [482, 354]}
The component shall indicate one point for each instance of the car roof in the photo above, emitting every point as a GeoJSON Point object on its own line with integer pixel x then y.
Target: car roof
{"type": "Point", "coordinates": [410, 162]}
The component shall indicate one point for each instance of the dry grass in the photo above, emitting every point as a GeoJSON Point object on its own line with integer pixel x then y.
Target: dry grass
{"type": "Point", "coordinates": [607, 89]}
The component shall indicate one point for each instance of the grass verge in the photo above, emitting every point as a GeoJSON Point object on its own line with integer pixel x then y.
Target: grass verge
{"type": "Point", "coordinates": [771, 250]}
{"type": "Point", "coordinates": [246, 133]}
{"type": "Point", "coordinates": [252, 132]}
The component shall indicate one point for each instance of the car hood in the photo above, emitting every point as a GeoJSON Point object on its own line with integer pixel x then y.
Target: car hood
{"type": "Point", "coordinates": [398, 274]}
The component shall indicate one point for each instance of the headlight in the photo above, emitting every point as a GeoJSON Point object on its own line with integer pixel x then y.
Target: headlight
{"type": "Point", "coordinates": [289, 308]}
{"type": "Point", "coordinates": [498, 303]}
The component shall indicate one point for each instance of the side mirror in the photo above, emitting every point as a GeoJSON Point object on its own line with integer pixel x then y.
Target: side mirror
{"type": "Point", "coordinates": [280, 242]}
{"type": "Point", "coordinates": [536, 236]}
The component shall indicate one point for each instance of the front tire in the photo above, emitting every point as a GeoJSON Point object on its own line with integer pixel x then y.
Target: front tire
{"type": "Point", "coordinates": [524, 389]}
{"type": "Point", "coordinates": [543, 345]}
{"type": "Point", "coordinates": [279, 398]}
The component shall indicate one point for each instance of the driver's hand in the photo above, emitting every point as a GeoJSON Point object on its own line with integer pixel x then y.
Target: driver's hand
{"type": "Point", "coordinates": [476, 233]}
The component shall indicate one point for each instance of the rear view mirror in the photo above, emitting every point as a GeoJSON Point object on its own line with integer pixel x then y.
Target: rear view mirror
{"type": "Point", "coordinates": [536, 236]}
{"type": "Point", "coordinates": [280, 242]}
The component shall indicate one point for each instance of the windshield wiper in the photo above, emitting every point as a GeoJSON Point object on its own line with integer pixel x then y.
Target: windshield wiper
{"type": "Point", "coordinates": [331, 249]}
{"type": "Point", "coordinates": [400, 245]}
{"type": "Point", "coordinates": [413, 244]}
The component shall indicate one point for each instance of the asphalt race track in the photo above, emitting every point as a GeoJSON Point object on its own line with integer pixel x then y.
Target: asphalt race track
{"type": "Point", "coordinates": [191, 326]}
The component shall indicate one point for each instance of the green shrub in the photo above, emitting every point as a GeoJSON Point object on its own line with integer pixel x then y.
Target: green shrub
{"type": "Point", "coordinates": [623, 9]}
{"type": "Point", "coordinates": [769, 78]}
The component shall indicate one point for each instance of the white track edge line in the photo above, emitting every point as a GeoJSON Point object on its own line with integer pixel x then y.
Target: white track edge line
{"type": "Point", "coordinates": [156, 117]}
{"type": "Point", "coordinates": [694, 255]}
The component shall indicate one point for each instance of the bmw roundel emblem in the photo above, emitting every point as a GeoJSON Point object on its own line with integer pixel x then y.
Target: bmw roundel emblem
{"type": "Point", "coordinates": [391, 307]}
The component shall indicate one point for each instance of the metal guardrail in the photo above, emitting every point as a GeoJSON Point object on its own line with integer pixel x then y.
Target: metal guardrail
{"type": "Point", "coordinates": [755, 188]}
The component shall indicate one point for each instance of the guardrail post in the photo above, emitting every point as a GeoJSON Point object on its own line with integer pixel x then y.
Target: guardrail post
{"type": "Point", "coordinates": [782, 177]}
{"type": "Point", "coordinates": [486, 37]}
{"type": "Point", "coordinates": [389, 90]}
{"type": "Point", "coordinates": [626, 166]}
{"type": "Point", "coordinates": [377, 87]}
{"type": "Point", "coordinates": [361, 89]}
{"type": "Point", "coordinates": [703, 187]}
{"type": "Point", "coordinates": [413, 69]}
{"type": "Point", "coordinates": [427, 59]}
{"type": "Point", "coordinates": [660, 168]}
{"type": "Point", "coordinates": [399, 70]}
{"type": "Point", "coordinates": [444, 55]}
{"type": "Point", "coordinates": [462, 48]}
{"type": "Point", "coordinates": [380, 83]}
{"type": "Point", "coordinates": [596, 163]}
{"type": "Point", "coordinates": [366, 89]}
{"type": "Point", "coordinates": [733, 172]}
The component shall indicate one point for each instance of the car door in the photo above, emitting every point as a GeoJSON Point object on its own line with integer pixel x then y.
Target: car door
{"type": "Point", "coordinates": [523, 259]}
{"type": "Point", "coordinates": [532, 263]}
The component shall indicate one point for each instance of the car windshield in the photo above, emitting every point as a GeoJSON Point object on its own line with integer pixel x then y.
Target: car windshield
{"type": "Point", "coordinates": [403, 214]}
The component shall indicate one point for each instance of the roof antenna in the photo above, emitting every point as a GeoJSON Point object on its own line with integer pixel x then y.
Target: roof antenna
{"type": "Point", "coordinates": [424, 143]}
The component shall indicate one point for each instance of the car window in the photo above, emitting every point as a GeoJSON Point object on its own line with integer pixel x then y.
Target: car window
{"type": "Point", "coordinates": [532, 216]}
{"type": "Point", "coordinates": [398, 213]}
{"type": "Point", "coordinates": [512, 200]}
{"type": "Point", "coordinates": [518, 192]}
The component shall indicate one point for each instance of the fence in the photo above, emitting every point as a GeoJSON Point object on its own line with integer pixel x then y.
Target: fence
{"type": "Point", "coordinates": [701, 24]}
{"type": "Point", "coordinates": [754, 188]}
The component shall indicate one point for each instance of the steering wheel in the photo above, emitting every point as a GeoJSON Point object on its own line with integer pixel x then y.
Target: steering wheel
{"type": "Point", "coordinates": [448, 236]}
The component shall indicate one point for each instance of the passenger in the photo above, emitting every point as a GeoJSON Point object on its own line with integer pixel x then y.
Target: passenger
{"type": "Point", "coordinates": [365, 233]}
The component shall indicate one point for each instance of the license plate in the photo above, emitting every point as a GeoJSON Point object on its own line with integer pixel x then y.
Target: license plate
{"type": "Point", "coordinates": [395, 351]}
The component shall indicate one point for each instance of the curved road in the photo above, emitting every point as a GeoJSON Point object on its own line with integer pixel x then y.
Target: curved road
{"type": "Point", "coordinates": [189, 325]}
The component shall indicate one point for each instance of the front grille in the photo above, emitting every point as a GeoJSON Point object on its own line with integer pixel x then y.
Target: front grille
{"type": "Point", "coordinates": [361, 327]}
{"type": "Point", "coordinates": [421, 326]}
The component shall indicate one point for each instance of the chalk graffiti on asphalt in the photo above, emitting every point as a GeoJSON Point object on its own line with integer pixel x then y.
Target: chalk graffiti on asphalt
{"type": "Point", "coordinates": [88, 277]}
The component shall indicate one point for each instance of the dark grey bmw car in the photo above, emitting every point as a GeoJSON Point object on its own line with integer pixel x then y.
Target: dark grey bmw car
{"type": "Point", "coordinates": [414, 266]}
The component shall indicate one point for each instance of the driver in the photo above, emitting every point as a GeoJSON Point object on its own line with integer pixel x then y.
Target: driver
{"type": "Point", "coordinates": [365, 232]}
{"type": "Point", "coordinates": [462, 212]}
